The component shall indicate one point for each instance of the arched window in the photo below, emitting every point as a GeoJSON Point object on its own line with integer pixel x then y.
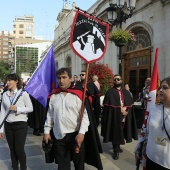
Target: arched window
{"type": "Point", "coordinates": [68, 62]}
{"type": "Point", "coordinates": [142, 40]}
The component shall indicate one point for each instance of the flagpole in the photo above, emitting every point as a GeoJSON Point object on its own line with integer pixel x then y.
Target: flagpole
{"type": "Point", "coordinates": [38, 65]}
{"type": "Point", "coordinates": [77, 149]}
{"type": "Point", "coordinates": [84, 94]}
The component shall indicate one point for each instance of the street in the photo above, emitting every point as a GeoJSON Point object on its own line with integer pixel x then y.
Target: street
{"type": "Point", "coordinates": [35, 156]}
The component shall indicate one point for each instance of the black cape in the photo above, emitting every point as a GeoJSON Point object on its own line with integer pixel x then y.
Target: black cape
{"type": "Point", "coordinates": [92, 141]}
{"type": "Point", "coordinates": [94, 95]}
{"type": "Point", "coordinates": [112, 129]}
{"type": "Point", "coordinates": [36, 119]}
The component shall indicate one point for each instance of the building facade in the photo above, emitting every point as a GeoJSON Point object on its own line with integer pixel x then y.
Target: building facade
{"type": "Point", "coordinates": [28, 56]}
{"type": "Point", "coordinates": [23, 27]}
{"type": "Point", "coordinates": [151, 24]}
{"type": "Point", "coordinates": [6, 47]}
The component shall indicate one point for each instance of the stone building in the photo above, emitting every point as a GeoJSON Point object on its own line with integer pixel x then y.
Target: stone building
{"type": "Point", "coordinates": [151, 24]}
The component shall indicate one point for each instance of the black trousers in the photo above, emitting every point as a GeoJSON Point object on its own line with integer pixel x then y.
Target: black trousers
{"type": "Point", "coordinates": [152, 165]}
{"type": "Point", "coordinates": [16, 133]}
{"type": "Point", "coordinates": [65, 153]}
{"type": "Point", "coordinates": [116, 147]}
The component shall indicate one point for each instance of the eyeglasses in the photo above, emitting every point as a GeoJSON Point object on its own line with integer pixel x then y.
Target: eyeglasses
{"type": "Point", "coordinates": [82, 74]}
{"type": "Point", "coordinates": [118, 79]}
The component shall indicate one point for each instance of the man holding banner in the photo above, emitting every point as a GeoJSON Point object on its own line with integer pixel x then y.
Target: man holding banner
{"type": "Point", "coordinates": [74, 138]}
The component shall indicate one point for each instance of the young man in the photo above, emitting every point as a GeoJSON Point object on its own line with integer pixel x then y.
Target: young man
{"type": "Point", "coordinates": [72, 138]}
{"type": "Point", "coordinates": [93, 93]}
{"type": "Point", "coordinates": [75, 81]}
{"type": "Point", "coordinates": [118, 122]}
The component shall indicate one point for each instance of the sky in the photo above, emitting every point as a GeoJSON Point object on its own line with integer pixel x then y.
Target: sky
{"type": "Point", "coordinates": [45, 13]}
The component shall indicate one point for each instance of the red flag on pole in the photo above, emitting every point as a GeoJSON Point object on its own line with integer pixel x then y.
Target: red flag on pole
{"type": "Point", "coordinates": [155, 82]}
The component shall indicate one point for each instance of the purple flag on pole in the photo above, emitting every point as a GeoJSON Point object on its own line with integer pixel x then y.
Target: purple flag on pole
{"type": "Point", "coordinates": [43, 81]}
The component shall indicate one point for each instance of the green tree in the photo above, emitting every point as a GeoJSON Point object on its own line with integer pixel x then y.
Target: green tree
{"type": "Point", "coordinates": [4, 70]}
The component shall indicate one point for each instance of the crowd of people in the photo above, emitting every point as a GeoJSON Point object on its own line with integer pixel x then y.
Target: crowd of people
{"type": "Point", "coordinates": [70, 121]}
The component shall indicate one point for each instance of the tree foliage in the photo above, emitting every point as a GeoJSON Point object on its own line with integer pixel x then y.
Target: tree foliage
{"type": "Point", "coordinates": [104, 73]}
{"type": "Point", "coordinates": [4, 70]}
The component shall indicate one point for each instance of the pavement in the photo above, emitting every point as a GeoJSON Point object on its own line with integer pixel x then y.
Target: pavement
{"type": "Point", "coordinates": [35, 156]}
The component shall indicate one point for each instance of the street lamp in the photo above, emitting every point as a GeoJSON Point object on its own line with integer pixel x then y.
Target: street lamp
{"type": "Point", "coordinates": [116, 16]}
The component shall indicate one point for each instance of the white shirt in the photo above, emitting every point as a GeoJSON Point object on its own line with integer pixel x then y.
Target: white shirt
{"type": "Point", "coordinates": [156, 152]}
{"type": "Point", "coordinates": [97, 84]}
{"type": "Point", "coordinates": [23, 105]}
{"type": "Point", "coordinates": [63, 115]}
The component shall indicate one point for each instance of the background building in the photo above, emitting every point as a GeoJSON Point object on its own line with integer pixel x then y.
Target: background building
{"type": "Point", "coordinates": [6, 47]}
{"type": "Point", "coordinates": [23, 27]}
{"type": "Point", "coordinates": [28, 56]}
{"type": "Point", "coordinates": [151, 24]}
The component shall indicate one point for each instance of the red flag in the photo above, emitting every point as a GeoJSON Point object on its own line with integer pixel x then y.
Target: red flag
{"type": "Point", "coordinates": [155, 82]}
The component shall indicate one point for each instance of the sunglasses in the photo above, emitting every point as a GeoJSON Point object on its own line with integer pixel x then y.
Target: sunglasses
{"type": "Point", "coordinates": [118, 79]}
{"type": "Point", "coordinates": [82, 74]}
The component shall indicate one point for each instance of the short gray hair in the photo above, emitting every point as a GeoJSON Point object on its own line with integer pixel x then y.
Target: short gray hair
{"type": "Point", "coordinates": [95, 77]}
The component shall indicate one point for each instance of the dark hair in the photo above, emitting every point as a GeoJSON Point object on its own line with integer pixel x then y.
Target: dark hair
{"type": "Point", "coordinates": [117, 75]}
{"type": "Point", "coordinates": [83, 71]}
{"type": "Point", "coordinates": [15, 77]}
{"type": "Point", "coordinates": [64, 70]}
{"type": "Point", "coordinates": [167, 79]}
{"type": "Point", "coordinates": [75, 76]}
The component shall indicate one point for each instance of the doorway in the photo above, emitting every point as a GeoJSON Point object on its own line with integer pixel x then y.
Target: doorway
{"type": "Point", "coordinates": [136, 70]}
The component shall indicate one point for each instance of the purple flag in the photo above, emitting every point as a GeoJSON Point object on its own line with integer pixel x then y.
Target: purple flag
{"type": "Point", "coordinates": [43, 81]}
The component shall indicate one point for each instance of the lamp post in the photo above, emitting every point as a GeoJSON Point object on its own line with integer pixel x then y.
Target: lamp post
{"type": "Point", "coordinates": [116, 16]}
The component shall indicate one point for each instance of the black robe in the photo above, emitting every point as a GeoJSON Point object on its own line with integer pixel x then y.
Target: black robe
{"type": "Point", "coordinates": [112, 129]}
{"type": "Point", "coordinates": [94, 96]}
{"type": "Point", "coordinates": [36, 119]}
{"type": "Point", "coordinates": [92, 141]}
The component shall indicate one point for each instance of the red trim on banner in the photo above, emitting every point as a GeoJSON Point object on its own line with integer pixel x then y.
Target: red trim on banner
{"type": "Point", "coordinates": [93, 18]}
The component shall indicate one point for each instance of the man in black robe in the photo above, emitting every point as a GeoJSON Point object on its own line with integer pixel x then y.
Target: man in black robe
{"type": "Point", "coordinates": [93, 94]}
{"type": "Point", "coordinates": [118, 121]}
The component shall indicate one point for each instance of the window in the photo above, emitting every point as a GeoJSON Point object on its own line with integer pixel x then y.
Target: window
{"type": "Point", "coordinates": [142, 40]}
{"type": "Point", "coordinates": [5, 48]}
{"type": "Point", "coordinates": [28, 33]}
{"type": "Point", "coordinates": [28, 27]}
{"type": "Point", "coordinates": [5, 43]}
{"type": "Point", "coordinates": [5, 39]}
{"type": "Point", "coordinates": [5, 52]}
{"type": "Point", "coordinates": [21, 32]}
{"type": "Point", "coordinates": [21, 26]}
{"type": "Point", "coordinates": [140, 61]}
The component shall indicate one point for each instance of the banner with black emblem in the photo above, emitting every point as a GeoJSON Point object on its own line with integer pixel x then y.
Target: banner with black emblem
{"type": "Point", "coordinates": [89, 37]}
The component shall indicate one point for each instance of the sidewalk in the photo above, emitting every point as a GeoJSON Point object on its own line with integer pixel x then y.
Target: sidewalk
{"type": "Point", "coordinates": [35, 156]}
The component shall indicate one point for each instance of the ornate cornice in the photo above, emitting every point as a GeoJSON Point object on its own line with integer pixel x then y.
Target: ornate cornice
{"type": "Point", "coordinates": [165, 2]}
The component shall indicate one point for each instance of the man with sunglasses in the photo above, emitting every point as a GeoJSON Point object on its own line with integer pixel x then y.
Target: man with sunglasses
{"type": "Point", "coordinates": [118, 122]}
{"type": "Point", "coordinates": [93, 94]}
